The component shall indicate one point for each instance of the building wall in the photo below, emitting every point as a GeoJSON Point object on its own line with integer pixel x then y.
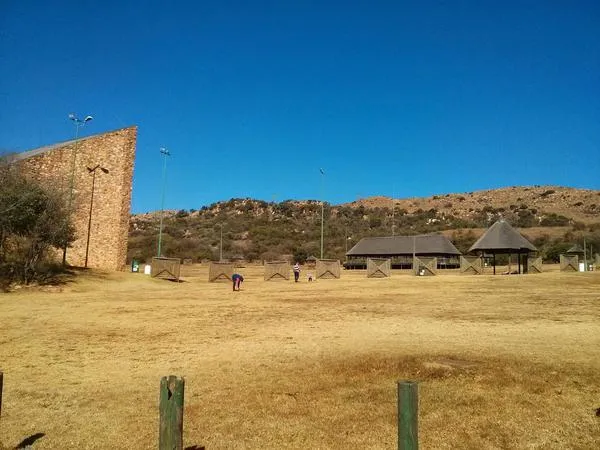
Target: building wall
{"type": "Point", "coordinates": [109, 228]}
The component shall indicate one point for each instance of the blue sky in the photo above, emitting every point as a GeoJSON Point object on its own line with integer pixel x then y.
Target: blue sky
{"type": "Point", "coordinates": [253, 97]}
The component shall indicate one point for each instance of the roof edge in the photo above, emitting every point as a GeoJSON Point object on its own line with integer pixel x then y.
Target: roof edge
{"type": "Point", "coordinates": [18, 156]}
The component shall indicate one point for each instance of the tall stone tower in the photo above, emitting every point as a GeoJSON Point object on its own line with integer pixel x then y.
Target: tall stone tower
{"type": "Point", "coordinates": [102, 221]}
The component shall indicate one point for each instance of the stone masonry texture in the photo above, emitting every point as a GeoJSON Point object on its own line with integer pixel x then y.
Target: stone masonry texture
{"type": "Point", "coordinates": [55, 165]}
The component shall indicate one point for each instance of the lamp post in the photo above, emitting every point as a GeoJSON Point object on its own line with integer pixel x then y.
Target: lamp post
{"type": "Point", "coordinates": [93, 172]}
{"type": "Point", "coordinates": [322, 209]}
{"type": "Point", "coordinates": [164, 152]}
{"type": "Point", "coordinates": [348, 238]}
{"type": "Point", "coordinates": [79, 123]}
{"type": "Point", "coordinates": [393, 213]}
{"type": "Point", "coordinates": [221, 245]}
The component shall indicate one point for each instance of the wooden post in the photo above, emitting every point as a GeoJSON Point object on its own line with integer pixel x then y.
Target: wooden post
{"type": "Point", "coordinates": [171, 413]}
{"type": "Point", "coordinates": [1, 383]}
{"type": "Point", "coordinates": [408, 415]}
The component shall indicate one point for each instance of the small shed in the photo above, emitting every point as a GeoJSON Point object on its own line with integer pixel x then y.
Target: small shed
{"type": "Point", "coordinates": [569, 263]}
{"type": "Point", "coordinates": [219, 270]}
{"type": "Point", "coordinates": [575, 250]}
{"type": "Point", "coordinates": [277, 270]}
{"type": "Point", "coordinates": [471, 265]}
{"type": "Point", "coordinates": [501, 238]}
{"type": "Point", "coordinates": [379, 267]}
{"type": "Point", "coordinates": [328, 268]}
{"type": "Point", "coordinates": [163, 267]}
{"type": "Point", "coordinates": [534, 265]}
{"type": "Point", "coordinates": [425, 265]}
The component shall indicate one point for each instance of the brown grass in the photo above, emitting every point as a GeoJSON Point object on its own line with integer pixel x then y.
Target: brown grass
{"type": "Point", "coordinates": [503, 362]}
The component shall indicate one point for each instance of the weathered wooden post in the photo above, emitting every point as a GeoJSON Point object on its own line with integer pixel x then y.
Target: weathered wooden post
{"type": "Point", "coordinates": [171, 413]}
{"type": "Point", "coordinates": [1, 383]}
{"type": "Point", "coordinates": [408, 415]}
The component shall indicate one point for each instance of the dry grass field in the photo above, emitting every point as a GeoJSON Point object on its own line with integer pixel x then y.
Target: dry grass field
{"type": "Point", "coordinates": [504, 362]}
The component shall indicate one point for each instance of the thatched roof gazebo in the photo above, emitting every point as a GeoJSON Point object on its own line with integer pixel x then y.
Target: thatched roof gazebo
{"type": "Point", "coordinates": [575, 250]}
{"type": "Point", "coordinates": [501, 238]}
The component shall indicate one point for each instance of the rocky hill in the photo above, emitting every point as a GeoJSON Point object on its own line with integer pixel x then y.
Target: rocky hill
{"type": "Point", "coordinates": [580, 205]}
{"type": "Point", "coordinates": [553, 217]}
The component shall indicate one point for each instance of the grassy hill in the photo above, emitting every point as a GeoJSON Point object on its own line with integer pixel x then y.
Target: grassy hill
{"type": "Point", "coordinates": [552, 217]}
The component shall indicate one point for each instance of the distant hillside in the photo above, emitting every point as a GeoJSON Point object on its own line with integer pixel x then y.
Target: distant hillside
{"type": "Point", "coordinates": [579, 205]}
{"type": "Point", "coordinates": [553, 217]}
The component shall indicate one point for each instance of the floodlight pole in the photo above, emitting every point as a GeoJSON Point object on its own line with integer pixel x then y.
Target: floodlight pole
{"type": "Point", "coordinates": [322, 210]}
{"type": "Point", "coordinates": [393, 213]}
{"type": "Point", "coordinates": [165, 153]}
{"type": "Point", "coordinates": [346, 240]}
{"type": "Point", "coordinates": [585, 267]}
{"type": "Point", "coordinates": [414, 252]}
{"type": "Point", "coordinates": [93, 172]}
{"type": "Point", "coordinates": [78, 124]}
{"type": "Point", "coordinates": [221, 245]}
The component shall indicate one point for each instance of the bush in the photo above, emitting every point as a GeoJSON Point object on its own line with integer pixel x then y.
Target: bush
{"type": "Point", "coordinates": [554, 220]}
{"type": "Point", "coordinates": [547, 193]}
{"type": "Point", "coordinates": [33, 220]}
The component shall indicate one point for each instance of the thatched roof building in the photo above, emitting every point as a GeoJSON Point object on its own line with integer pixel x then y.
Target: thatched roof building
{"type": "Point", "coordinates": [501, 238]}
{"type": "Point", "coordinates": [400, 249]}
{"type": "Point", "coordinates": [575, 250]}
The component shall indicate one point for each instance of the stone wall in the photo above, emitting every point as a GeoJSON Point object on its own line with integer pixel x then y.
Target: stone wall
{"type": "Point", "coordinates": [65, 165]}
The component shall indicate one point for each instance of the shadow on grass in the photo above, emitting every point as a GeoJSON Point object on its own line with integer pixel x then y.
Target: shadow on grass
{"type": "Point", "coordinates": [195, 447]}
{"type": "Point", "coordinates": [30, 440]}
{"type": "Point", "coordinates": [57, 277]}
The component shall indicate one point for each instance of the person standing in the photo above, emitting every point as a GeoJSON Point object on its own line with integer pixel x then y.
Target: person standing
{"type": "Point", "coordinates": [296, 272]}
{"type": "Point", "coordinates": [237, 281]}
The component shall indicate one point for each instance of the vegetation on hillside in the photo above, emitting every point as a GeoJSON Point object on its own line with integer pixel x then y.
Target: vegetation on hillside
{"type": "Point", "coordinates": [259, 230]}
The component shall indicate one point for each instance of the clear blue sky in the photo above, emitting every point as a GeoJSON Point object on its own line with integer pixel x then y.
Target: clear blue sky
{"type": "Point", "coordinates": [253, 97]}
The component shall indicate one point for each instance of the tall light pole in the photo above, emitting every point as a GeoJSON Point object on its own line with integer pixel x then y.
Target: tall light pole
{"type": "Point", "coordinates": [322, 209]}
{"type": "Point", "coordinates": [93, 172]}
{"type": "Point", "coordinates": [164, 152]}
{"type": "Point", "coordinates": [393, 212]}
{"type": "Point", "coordinates": [221, 245]}
{"type": "Point", "coordinates": [79, 123]}
{"type": "Point", "coordinates": [347, 238]}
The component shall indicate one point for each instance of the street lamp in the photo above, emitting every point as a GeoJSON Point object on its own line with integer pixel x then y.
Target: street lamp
{"type": "Point", "coordinates": [322, 208]}
{"type": "Point", "coordinates": [393, 214]}
{"type": "Point", "coordinates": [78, 124]}
{"type": "Point", "coordinates": [165, 153]}
{"type": "Point", "coordinates": [221, 246]}
{"type": "Point", "coordinates": [348, 238]}
{"type": "Point", "coordinates": [93, 172]}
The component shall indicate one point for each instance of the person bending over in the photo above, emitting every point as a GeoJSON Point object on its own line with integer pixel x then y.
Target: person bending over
{"type": "Point", "coordinates": [237, 281]}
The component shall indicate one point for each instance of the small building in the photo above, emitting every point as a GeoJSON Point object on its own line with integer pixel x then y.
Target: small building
{"type": "Point", "coordinates": [575, 250]}
{"type": "Point", "coordinates": [401, 250]}
{"type": "Point", "coordinates": [98, 206]}
{"type": "Point", "coordinates": [501, 238]}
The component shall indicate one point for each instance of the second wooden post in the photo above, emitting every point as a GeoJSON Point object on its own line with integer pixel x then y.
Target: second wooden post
{"type": "Point", "coordinates": [171, 413]}
{"type": "Point", "coordinates": [408, 415]}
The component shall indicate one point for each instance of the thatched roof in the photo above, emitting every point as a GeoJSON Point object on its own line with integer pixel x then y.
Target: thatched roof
{"type": "Point", "coordinates": [424, 244]}
{"type": "Point", "coordinates": [502, 238]}
{"type": "Point", "coordinates": [575, 250]}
